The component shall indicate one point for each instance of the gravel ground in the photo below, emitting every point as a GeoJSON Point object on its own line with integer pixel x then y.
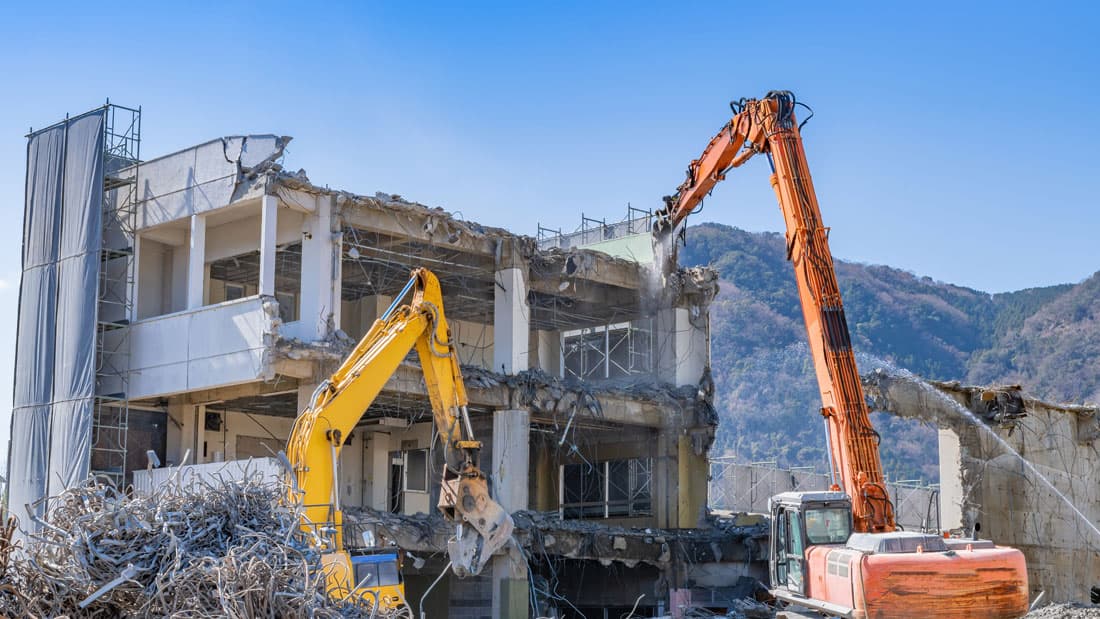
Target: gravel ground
{"type": "Point", "coordinates": [1065, 611]}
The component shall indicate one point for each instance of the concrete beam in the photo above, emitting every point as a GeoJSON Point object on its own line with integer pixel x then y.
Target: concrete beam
{"type": "Point", "coordinates": [176, 237]}
{"type": "Point", "coordinates": [247, 390]}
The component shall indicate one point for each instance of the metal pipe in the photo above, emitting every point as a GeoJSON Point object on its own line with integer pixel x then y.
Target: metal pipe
{"type": "Point", "coordinates": [397, 300]}
{"type": "Point", "coordinates": [829, 450]}
{"type": "Point", "coordinates": [466, 422]}
{"type": "Point", "coordinates": [335, 473]}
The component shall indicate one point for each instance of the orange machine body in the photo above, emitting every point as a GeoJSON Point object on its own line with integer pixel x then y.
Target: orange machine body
{"type": "Point", "coordinates": [961, 582]}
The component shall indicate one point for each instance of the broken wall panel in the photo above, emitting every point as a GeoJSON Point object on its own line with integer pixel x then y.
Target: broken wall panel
{"type": "Point", "coordinates": [1046, 508]}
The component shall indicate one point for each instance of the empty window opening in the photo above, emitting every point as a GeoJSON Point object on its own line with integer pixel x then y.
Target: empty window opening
{"type": "Point", "coordinates": [610, 489]}
{"type": "Point", "coordinates": [416, 470]}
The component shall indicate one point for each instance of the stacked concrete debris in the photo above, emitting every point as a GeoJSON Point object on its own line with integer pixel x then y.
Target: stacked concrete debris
{"type": "Point", "coordinates": [222, 549]}
{"type": "Point", "coordinates": [544, 393]}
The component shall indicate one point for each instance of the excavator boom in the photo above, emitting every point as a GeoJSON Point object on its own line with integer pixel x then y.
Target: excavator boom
{"type": "Point", "coordinates": [768, 126]}
{"type": "Point", "coordinates": [340, 402]}
{"type": "Point", "coordinates": [815, 559]}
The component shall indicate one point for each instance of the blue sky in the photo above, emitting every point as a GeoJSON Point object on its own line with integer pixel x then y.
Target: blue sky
{"type": "Point", "coordinates": [953, 141]}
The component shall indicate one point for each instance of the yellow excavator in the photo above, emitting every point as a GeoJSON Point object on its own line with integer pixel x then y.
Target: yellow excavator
{"type": "Point", "coordinates": [336, 407]}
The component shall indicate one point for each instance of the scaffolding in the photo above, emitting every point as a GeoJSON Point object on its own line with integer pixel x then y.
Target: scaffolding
{"type": "Point", "coordinates": [115, 291]}
{"type": "Point", "coordinates": [609, 351]}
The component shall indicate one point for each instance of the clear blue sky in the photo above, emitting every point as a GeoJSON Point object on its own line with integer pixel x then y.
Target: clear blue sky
{"type": "Point", "coordinates": [957, 142]}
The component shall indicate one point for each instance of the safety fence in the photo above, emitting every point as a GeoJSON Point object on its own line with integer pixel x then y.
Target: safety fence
{"type": "Point", "coordinates": [746, 488]}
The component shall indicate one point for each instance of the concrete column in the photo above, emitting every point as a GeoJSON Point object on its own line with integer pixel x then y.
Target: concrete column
{"type": "Point", "coordinates": [196, 263]}
{"type": "Point", "coordinates": [269, 209]}
{"type": "Point", "coordinates": [665, 479]}
{"type": "Point", "coordinates": [511, 321]}
{"type": "Point", "coordinates": [136, 291]}
{"type": "Point", "coordinates": [319, 297]}
{"type": "Point", "coordinates": [693, 471]}
{"type": "Point", "coordinates": [683, 348]}
{"type": "Point", "coordinates": [951, 485]}
{"type": "Point", "coordinates": [510, 476]}
{"type": "Point", "coordinates": [511, 457]}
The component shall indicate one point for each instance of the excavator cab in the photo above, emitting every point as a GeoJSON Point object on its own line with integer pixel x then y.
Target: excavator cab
{"type": "Point", "coordinates": [380, 573]}
{"type": "Point", "coordinates": [372, 575]}
{"type": "Point", "coordinates": [801, 520]}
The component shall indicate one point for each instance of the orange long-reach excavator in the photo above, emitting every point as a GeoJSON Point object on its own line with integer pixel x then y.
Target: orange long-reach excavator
{"type": "Point", "coordinates": [839, 552]}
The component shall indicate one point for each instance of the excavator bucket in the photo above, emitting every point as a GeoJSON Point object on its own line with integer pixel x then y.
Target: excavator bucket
{"type": "Point", "coordinates": [483, 529]}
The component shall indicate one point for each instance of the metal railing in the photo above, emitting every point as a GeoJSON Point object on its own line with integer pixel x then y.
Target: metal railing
{"type": "Point", "coordinates": [746, 487]}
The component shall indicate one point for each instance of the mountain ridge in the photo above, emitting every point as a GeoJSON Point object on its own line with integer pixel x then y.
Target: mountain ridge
{"type": "Point", "coordinates": [1039, 337]}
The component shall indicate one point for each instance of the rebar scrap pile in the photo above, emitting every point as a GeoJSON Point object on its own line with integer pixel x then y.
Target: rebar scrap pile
{"type": "Point", "coordinates": [207, 549]}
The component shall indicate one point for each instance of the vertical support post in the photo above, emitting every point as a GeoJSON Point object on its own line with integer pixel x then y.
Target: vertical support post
{"type": "Point", "coordinates": [683, 349]}
{"type": "Point", "coordinates": [196, 263]}
{"type": "Point", "coordinates": [607, 351]}
{"type": "Point", "coordinates": [510, 476]}
{"type": "Point", "coordinates": [511, 321]}
{"type": "Point", "coordinates": [269, 209]}
{"type": "Point", "coordinates": [561, 492]}
{"type": "Point", "coordinates": [136, 259]}
{"type": "Point", "coordinates": [952, 492]}
{"type": "Point", "coordinates": [606, 489]}
{"type": "Point", "coordinates": [319, 306]}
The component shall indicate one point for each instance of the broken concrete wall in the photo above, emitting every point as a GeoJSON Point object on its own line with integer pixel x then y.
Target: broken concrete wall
{"type": "Point", "coordinates": [988, 489]}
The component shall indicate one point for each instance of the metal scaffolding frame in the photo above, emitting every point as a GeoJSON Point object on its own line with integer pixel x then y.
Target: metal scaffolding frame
{"type": "Point", "coordinates": [115, 309]}
{"type": "Point", "coordinates": [610, 351]}
{"type": "Point", "coordinates": [609, 489]}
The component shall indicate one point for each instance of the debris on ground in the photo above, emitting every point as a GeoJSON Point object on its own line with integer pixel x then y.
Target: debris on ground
{"type": "Point", "coordinates": [201, 549]}
{"type": "Point", "coordinates": [738, 609]}
{"type": "Point", "coordinates": [1072, 610]}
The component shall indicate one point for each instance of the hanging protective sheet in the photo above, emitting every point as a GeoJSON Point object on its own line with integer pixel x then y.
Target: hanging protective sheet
{"type": "Point", "coordinates": [56, 334]}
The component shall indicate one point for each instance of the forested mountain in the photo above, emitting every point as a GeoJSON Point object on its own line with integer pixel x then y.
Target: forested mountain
{"type": "Point", "coordinates": [1047, 339]}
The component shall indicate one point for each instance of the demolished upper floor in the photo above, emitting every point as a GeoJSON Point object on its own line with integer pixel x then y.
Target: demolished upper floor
{"type": "Point", "coordinates": [248, 272]}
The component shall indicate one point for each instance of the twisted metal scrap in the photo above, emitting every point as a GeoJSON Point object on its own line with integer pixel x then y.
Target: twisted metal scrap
{"type": "Point", "coordinates": [204, 549]}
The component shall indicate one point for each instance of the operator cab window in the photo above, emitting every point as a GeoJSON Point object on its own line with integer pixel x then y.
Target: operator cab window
{"type": "Point", "coordinates": [388, 574]}
{"type": "Point", "coordinates": [831, 525]}
{"type": "Point", "coordinates": [377, 574]}
{"type": "Point", "coordinates": [366, 575]}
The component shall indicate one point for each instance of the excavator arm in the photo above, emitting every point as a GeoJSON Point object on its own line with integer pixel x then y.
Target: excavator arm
{"type": "Point", "coordinates": [340, 402]}
{"type": "Point", "coordinates": [768, 126]}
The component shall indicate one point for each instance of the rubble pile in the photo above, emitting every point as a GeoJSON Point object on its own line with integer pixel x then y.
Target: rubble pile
{"type": "Point", "coordinates": [204, 549]}
{"type": "Point", "coordinates": [1071, 610]}
{"type": "Point", "coordinates": [738, 609]}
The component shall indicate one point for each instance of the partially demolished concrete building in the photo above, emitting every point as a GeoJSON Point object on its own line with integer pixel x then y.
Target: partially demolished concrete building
{"type": "Point", "coordinates": [1013, 469]}
{"type": "Point", "coordinates": [240, 287]}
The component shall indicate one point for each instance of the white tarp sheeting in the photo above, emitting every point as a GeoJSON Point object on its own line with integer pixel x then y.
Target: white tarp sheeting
{"type": "Point", "coordinates": [55, 360]}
